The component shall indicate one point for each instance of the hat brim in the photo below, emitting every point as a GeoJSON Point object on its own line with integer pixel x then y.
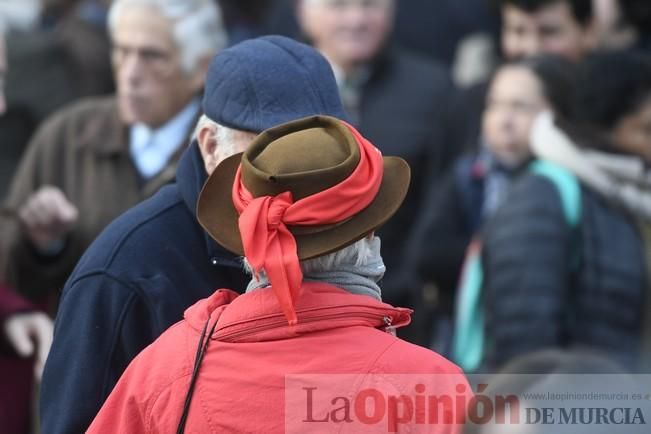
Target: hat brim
{"type": "Point", "coordinates": [218, 216]}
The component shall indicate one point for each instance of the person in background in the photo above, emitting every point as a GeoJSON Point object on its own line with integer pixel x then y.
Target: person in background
{"type": "Point", "coordinates": [561, 27]}
{"type": "Point", "coordinates": [91, 161]}
{"type": "Point", "coordinates": [564, 28]}
{"type": "Point", "coordinates": [57, 48]}
{"type": "Point", "coordinates": [478, 183]}
{"type": "Point", "coordinates": [301, 204]}
{"type": "Point", "coordinates": [550, 284]}
{"type": "Point", "coordinates": [24, 332]}
{"type": "Point", "coordinates": [397, 99]}
{"type": "Point", "coordinates": [529, 28]}
{"type": "Point", "coordinates": [155, 260]}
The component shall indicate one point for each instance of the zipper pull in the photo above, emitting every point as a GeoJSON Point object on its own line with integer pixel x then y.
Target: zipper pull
{"type": "Point", "coordinates": [388, 328]}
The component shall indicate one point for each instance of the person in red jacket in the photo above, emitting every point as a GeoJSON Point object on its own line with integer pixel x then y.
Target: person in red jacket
{"type": "Point", "coordinates": [310, 345]}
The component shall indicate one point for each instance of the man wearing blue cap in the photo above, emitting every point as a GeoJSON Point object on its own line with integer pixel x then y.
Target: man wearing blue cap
{"type": "Point", "coordinates": [155, 260]}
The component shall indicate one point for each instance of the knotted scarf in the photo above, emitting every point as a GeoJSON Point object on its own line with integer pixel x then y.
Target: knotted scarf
{"type": "Point", "coordinates": [270, 246]}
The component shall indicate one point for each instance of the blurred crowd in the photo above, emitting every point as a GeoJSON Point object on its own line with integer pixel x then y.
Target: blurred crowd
{"type": "Point", "coordinates": [526, 125]}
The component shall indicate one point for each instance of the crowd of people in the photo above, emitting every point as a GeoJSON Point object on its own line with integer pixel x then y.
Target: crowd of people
{"type": "Point", "coordinates": [201, 197]}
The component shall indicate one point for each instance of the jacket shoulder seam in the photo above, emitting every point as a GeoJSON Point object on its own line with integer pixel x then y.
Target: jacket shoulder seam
{"type": "Point", "coordinates": [156, 396]}
{"type": "Point", "coordinates": [129, 233]}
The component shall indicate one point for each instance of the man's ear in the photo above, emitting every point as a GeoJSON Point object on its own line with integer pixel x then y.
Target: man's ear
{"type": "Point", "coordinates": [208, 147]}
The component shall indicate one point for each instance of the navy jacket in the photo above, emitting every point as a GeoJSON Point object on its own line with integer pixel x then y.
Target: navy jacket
{"type": "Point", "coordinates": [535, 294]}
{"type": "Point", "coordinates": [133, 282]}
{"type": "Point", "coordinates": [452, 216]}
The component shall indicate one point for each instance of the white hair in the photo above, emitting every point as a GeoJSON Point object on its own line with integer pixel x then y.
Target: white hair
{"type": "Point", "coordinates": [198, 26]}
{"type": "Point", "coordinates": [225, 136]}
{"type": "Point", "coordinates": [359, 253]}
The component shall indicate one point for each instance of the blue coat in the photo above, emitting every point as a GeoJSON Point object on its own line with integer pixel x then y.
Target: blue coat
{"type": "Point", "coordinates": [133, 282]}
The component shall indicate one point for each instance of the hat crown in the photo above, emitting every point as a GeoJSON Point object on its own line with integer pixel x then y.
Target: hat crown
{"type": "Point", "coordinates": [304, 158]}
{"type": "Point", "coordinates": [267, 81]}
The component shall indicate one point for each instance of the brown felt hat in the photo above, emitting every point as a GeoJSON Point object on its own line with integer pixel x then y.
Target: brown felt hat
{"type": "Point", "coordinates": [304, 157]}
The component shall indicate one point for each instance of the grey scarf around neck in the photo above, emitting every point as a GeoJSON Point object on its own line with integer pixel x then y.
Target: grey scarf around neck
{"type": "Point", "coordinates": [356, 279]}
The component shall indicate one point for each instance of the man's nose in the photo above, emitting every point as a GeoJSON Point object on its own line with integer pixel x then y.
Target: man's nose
{"type": "Point", "coordinates": [131, 70]}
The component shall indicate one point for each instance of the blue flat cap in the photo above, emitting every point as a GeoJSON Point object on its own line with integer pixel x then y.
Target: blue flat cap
{"type": "Point", "coordinates": [263, 82]}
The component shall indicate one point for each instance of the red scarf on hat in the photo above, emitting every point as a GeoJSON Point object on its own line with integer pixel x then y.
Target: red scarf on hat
{"type": "Point", "coordinates": [267, 242]}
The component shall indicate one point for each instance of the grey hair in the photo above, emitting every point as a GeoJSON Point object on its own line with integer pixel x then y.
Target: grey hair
{"type": "Point", "coordinates": [198, 26]}
{"type": "Point", "coordinates": [225, 136]}
{"type": "Point", "coordinates": [360, 253]}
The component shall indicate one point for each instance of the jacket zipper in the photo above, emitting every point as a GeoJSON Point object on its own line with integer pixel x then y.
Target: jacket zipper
{"type": "Point", "coordinates": [283, 321]}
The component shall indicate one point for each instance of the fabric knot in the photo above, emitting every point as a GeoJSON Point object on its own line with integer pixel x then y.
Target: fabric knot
{"type": "Point", "coordinates": [277, 208]}
{"type": "Point", "coordinates": [263, 223]}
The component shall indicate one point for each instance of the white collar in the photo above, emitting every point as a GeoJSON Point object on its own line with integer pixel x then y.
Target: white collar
{"type": "Point", "coordinates": [151, 149]}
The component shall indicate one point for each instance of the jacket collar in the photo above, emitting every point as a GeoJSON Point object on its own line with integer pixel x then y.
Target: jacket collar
{"type": "Point", "coordinates": [256, 316]}
{"type": "Point", "coordinates": [114, 132]}
{"type": "Point", "coordinates": [190, 177]}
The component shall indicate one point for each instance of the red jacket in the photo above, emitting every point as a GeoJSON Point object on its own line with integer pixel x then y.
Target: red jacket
{"type": "Point", "coordinates": [248, 380]}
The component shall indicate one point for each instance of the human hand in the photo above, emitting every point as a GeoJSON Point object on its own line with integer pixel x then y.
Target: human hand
{"type": "Point", "coordinates": [47, 216]}
{"type": "Point", "coordinates": [30, 333]}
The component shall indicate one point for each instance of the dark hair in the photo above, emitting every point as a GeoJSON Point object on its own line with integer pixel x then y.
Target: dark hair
{"type": "Point", "coordinates": [609, 86]}
{"type": "Point", "coordinates": [581, 9]}
{"type": "Point", "coordinates": [556, 77]}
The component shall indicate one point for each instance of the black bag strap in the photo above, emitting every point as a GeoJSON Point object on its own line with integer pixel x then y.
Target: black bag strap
{"type": "Point", "coordinates": [201, 351]}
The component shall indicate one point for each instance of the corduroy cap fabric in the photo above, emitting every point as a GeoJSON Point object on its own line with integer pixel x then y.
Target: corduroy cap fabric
{"type": "Point", "coordinates": [263, 82]}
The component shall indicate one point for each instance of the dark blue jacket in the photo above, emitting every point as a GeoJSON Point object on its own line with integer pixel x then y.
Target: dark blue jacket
{"type": "Point", "coordinates": [133, 282]}
{"type": "Point", "coordinates": [547, 285]}
{"type": "Point", "coordinates": [443, 232]}
{"type": "Point", "coordinates": [452, 217]}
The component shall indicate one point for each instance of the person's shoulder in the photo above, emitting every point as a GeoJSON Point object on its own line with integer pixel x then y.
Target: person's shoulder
{"type": "Point", "coordinates": [533, 204]}
{"type": "Point", "coordinates": [90, 119]}
{"type": "Point", "coordinates": [88, 107]}
{"type": "Point", "coordinates": [405, 365]}
{"type": "Point", "coordinates": [533, 189]}
{"type": "Point", "coordinates": [138, 233]}
{"type": "Point", "coordinates": [405, 357]}
{"type": "Point", "coordinates": [164, 366]}
{"type": "Point", "coordinates": [173, 348]}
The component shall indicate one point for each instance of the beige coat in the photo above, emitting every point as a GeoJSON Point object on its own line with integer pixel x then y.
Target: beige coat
{"type": "Point", "coordinates": [83, 150]}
